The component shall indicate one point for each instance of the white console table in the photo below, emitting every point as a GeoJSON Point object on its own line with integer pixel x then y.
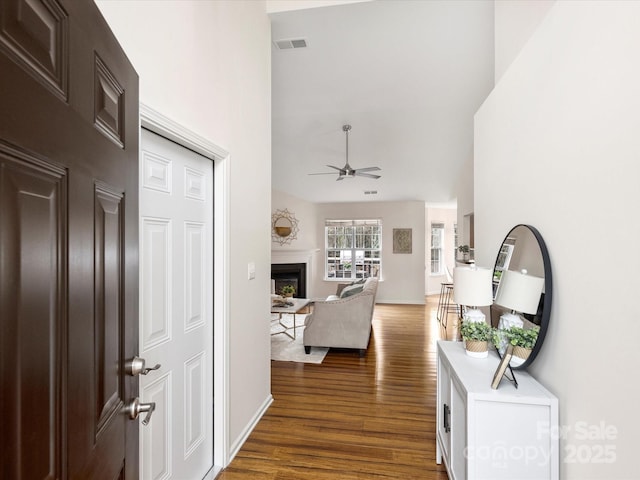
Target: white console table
{"type": "Point", "coordinates": [509, 433]}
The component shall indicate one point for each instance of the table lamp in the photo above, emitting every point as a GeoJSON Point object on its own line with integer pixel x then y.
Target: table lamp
{"type": "Point", "coordinates": [472, 287]}
{"type": "Point", "coordinates": [518, 292]}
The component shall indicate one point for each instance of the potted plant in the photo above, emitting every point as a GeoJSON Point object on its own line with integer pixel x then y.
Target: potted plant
{"type": "Point", "coordinates": [499, 339]}
{"type": "Point", "coordinates": [476, 336]}
{"type": "Point", "coordinates": [287, 291]}
{"type": "Point", "coordinates": [523, 341]}
{"type": "Point", "coordinates": [464, 249]}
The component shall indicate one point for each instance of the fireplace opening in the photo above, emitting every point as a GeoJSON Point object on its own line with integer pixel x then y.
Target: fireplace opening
{"type": "Point", "coordinates": [290, 274]}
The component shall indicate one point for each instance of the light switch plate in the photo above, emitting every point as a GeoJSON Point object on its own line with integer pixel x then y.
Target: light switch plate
{"type": "Point", "coordinates": [252, 270]}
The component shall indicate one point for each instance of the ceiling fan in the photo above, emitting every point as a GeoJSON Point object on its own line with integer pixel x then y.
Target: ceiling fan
{"type": "Point", "coordinates": [347, 171]}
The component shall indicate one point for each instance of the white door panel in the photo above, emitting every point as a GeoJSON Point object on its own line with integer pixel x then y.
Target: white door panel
{"type": "Point", "coordinates": [176, 311]}
{"type": "Point", "coordinates": [155, 438]}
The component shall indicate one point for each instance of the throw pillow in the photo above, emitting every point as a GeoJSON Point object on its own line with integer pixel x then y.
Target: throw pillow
{"type": "Point", "coordinates": [351, 290]}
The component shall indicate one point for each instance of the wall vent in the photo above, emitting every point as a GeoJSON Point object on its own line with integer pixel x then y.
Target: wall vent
{"type": "Point", "coordinates": [370, 192]}
{"type": "Point", "coordinates": [288, 43]}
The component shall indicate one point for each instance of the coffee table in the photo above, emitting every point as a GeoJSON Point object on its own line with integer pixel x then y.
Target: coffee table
{"type": "Point", "coordinates": [298, 305]}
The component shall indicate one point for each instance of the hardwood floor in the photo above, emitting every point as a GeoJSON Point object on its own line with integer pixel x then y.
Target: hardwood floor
{"type": "Point", "coordinates": [351, 417]}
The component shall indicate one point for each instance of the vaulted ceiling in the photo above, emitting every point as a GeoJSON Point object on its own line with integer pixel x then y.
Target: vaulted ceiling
{"type": "Point", "coordinates": [408, 77]}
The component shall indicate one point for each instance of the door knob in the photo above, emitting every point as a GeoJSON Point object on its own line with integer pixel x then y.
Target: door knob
{"type": "Point", "coordinates": [134, 408]}
{"type": "Point", "coordinates": [136, 366]}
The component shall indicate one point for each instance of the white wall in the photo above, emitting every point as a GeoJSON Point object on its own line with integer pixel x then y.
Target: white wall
{"type": "Point", "coordinates": [560, 134]}
{"type": "Point", "coordinates": [206, 65]}
{"type": "Point", "coordinates": [515, 22]}
{"type": "Point", "coordinates": [305, 213]}
{"type": "Point", "coordinates": [274, 6]}
{"type": "Point", "coordinates": [464, 189]}
{"type": "Point", "coordinates": [402, 274]}
{"type": "Point", "coordinates": [447, 216]}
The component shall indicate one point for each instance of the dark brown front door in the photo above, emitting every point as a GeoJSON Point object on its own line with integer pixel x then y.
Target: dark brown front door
{"type": "Point", "coordinates": [68, 243]}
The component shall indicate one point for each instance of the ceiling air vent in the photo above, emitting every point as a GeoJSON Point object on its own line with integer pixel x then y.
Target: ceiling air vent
{"type": "Point", "coordinates": [291, 43]}
{"type": "Point", "coordinates": [370, 192]}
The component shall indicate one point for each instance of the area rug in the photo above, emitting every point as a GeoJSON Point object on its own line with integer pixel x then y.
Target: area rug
{"type": "Point", "coordinates": [285, 349]}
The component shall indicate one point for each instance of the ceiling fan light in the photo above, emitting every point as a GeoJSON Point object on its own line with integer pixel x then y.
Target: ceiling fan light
{"type": "Point", "coordinates": [347, 171]}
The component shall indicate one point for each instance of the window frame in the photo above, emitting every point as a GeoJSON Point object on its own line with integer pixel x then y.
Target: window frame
{"type": "Point", "coordinates": [456, 238]}
{"type": "Point", "coordinates": [354, 240]}
{"type": "Point", "coordinates": [440, 226]}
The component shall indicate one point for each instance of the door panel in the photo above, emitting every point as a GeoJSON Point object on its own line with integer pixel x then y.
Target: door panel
{"type": "Point", "coordinates": [195, 265]}
{"type": "Point", "coordinates": [195, 426]}
{"type": "Point", "coordinates": [177, 309]}
{"type": "Point", "coordinates": [108, 311]}
{"type": "Point", "coordinates": [32, 223]}
{"type": "Point", "coordinates": [156, 438]}
{"type": "Point", "coordinates": [35, 35]}
{"type": "Point", "coordinates": [69, 240]}
{"type": "Point", "coordinates": [156, 274]}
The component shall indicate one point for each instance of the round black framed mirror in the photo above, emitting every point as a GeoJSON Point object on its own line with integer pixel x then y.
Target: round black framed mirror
{"type": "Point", "coordinates": [523, 285]}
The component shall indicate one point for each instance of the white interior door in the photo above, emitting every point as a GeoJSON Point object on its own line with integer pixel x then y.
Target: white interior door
{"type": "Point", "coordinates": [176, 309]}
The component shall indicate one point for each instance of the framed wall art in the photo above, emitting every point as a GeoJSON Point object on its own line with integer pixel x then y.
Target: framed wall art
{"type": "Point", "coordinates": [402, 242]}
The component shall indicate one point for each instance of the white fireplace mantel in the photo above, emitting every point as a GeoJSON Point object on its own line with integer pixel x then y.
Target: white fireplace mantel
{"type": "Point", "coordinates": [293, 256]}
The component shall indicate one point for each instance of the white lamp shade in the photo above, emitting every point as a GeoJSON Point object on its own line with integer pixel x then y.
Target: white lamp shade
{"type": "Point", "coordinates": [472, 286]}
{"type": "Point", "coordinates": [519, 292]}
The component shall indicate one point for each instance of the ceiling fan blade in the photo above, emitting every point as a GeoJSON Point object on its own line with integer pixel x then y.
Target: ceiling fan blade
{"type": "Point", "coordinates": [369, 175]}
{"type": "Point", "coordinates": [347, 171]}
{"type": "Point", "coordinates": [325, 173]}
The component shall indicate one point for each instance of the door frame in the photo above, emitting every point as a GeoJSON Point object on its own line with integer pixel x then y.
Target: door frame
{"type": "Point", "coordinates": [158, 123]}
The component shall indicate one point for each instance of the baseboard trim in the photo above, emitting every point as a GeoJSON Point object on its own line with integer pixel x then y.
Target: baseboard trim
{"type": "Point", "coordinates": [213, 473]}
{"type": "Point", "coordinates": [237, 445]}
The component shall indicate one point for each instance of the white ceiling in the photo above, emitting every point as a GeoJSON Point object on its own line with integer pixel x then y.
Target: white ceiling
{"type": "Point", "coordinates": [408, 77]}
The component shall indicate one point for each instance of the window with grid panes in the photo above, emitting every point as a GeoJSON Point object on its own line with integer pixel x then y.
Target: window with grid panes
{"type": "Point", "coordinates": [353, 249]}
{"type": "Point", "coordinates": [437, 254]}
{"type": "Point", "coordinates": [456, 240]}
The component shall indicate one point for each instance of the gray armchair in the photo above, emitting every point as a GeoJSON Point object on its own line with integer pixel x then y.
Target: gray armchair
{"type": "Point", "coordinates": [343, 322]}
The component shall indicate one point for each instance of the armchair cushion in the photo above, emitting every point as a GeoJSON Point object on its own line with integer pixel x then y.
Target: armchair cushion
{"type": "Point", "coordinates": [351, 290]}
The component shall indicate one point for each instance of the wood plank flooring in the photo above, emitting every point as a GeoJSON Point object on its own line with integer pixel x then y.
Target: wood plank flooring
{"type": "Point", "coordinates": [351, 417]}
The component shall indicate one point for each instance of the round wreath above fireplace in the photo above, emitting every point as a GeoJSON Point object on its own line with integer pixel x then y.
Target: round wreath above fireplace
{"type": "Point", "coordinates": [284, 227]}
